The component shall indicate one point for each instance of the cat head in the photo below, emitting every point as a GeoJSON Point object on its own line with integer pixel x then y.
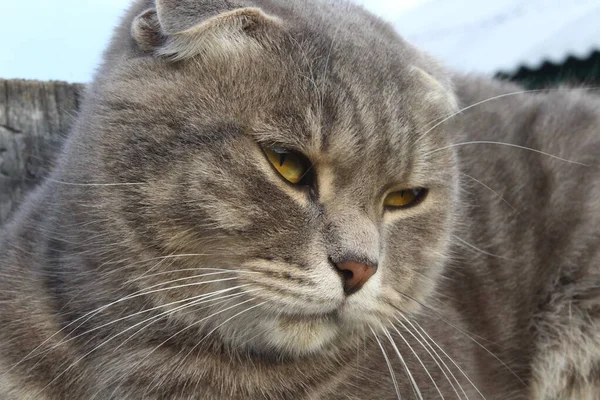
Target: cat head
{"type": "Point", "coordinates": [275, 156]}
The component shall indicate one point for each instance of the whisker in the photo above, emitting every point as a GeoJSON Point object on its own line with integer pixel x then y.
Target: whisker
{"type": "Point", "coordinates": [223, 323]}
{"type": "Point", "coordinates": [192, 301]}
{"type": "Point", "coordinates": [205, 336]}
{"type": "Point", "coordinates": [466, 334]}
{"type": "Point", "coordinates": [216, 272]}
{"type": "Point", "coordinates": [414, 385]}
{"type": "Point", "coordinates": [157, 265]}
{"type": "Point", "coordinates": [454, 114]}
{"type": "Point", "coordinates": [418, 359]}
{"type": "Point", "coordinates": [145, 291]}
{"type": "Point", "coordinates": [122, 332]}
{"type": "Point", "coordinates": [175, 256]}
{"type": "Point", "coordinates": [222, 299]}
{"type": "Point", "coordinates": [129, 265]}
{"type": "Point", "coordinates": [98, 310]}
{"type": "Point", "coordinates": [387, 361]}
{"type": "Point", "coordinates": [196, 300]}
{"type": "Point", "coordinates": [493, 191]}
{"type": "Point", "coordinates": [451, 360]}
{"type": "Point", "coordinates": [504, 144]}
{"type": "Point", "coordinates": [435, 358]}
{"type": "Point", "coordinates": [152, 320]}
{"type": "Point", "coordinates": [482, 251]}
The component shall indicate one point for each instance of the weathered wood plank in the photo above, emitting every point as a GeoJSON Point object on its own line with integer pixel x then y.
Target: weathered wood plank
{"type": "Point", "coordinates": [35, 117]}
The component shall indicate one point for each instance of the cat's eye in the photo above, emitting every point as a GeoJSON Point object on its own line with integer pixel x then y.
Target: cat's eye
{"type": "Point", "coordinates": [291, 165]}
{"type": "Point", "coordinates": [404, 198]}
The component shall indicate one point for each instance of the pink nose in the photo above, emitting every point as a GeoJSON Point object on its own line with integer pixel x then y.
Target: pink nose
{"type": "Point", "coordinates": [355, 275]}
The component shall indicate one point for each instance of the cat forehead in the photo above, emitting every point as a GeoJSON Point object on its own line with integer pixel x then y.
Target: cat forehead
{"type": "Point", "coordinates": [340, 127]}
{"type": "Point", "coordinates": [320, 76]}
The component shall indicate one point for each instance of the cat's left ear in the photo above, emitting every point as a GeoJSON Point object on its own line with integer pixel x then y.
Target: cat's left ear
{"type": "Point", "coordinates": [180, 29]}
{"type": "Point", "coordinates": [146, 31]}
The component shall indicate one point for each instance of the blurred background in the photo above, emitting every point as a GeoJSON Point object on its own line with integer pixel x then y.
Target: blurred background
{"type": "Point", "coordinates": [538, 42]}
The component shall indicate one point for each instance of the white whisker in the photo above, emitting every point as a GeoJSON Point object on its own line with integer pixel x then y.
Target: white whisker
{"type": "Point", "coordinates": [205, 336]}
{"type": "Point", "coordinates": [105, 342]}
{"type": "Point", "coordinates": [435, 356]}
{"type": "Point", "coordinates": [504, 144]}
{"type": "Point", "coordinates": [404, 364]}
{"type": "Point", "coordinates": [194, 301]}
{"type": "Point", "coordinates": [218, 300]}
{"type": "Point", "coordinates": [480, 250]}
{"type": "Point", "coordinates": [154, 319]}
{"type": "Point", "coordinates": [491, 190]}
{"type": "Point", "coordinates": [451, 360]}
{"type": "Point", "coordinates": [215, 272]}
{"type": "Point", "coordinates": [454, 114]}
{"type": "Point", "coordinates": [190, 270]}
{"type": "Point", "coordinates": [418, 359]}
{"type": "Point", "coordinates": [466, 334]}
{"type": "Point", "coordinates": [91, 314]}
{"type": "Point", "coordinates": [389, 364]}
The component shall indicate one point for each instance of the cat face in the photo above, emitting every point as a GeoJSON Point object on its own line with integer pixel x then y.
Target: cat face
{"type": "Point", "coordinates": [267, 152]}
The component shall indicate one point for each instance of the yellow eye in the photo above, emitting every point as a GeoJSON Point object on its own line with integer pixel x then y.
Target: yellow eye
{"type": "Point", "coordinates": [404, 198]}
{"type": "Point", "coordinates": [292, 166]}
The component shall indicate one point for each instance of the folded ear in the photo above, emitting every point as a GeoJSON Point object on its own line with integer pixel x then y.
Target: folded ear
{"type": "Point", "coordinates": [180, 15]}
{"type": "Point", "coordinates": [146, 30]}
{"type": "Point", "coordinates": [436, 93]}
{"type": "Point", "coordinates": [180, 29]}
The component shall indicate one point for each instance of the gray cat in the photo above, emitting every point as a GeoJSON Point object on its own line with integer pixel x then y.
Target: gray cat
{"type": "Point", "coordinates": [272, 199]}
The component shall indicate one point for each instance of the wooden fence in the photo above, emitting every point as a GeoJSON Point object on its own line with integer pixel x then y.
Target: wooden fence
{"type": "Point", "coordinates": [34, 120]}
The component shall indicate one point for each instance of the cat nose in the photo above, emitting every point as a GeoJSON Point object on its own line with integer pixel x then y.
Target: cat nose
{"type": "Point", "coordinates": [355, 275]}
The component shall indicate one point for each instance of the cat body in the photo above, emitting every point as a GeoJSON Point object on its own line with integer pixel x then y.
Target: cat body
{"type": "Point", "coordinates": [165, 258]}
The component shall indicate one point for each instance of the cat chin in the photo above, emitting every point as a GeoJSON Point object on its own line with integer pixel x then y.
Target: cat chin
{"type": "Point", "coordinates": [302, 336]}
{"type": "Point", "coordinates": [307, 334]}
{"type": "Point", "coordinates": [292, 335]}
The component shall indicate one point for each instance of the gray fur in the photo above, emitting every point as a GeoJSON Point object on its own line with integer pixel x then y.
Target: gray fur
{"type": "Point", "coordinates": [163, 179]}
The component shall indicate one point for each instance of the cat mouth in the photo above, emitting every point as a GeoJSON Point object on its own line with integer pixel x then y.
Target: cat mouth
{"type": "Point", "coordinates": [337, 312]}
{"type": "Point", "coordinates": [341, 315]}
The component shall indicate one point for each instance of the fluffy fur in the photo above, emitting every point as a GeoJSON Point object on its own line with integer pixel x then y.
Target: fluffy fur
{"type": "Point", "coordinates": [165, 258]}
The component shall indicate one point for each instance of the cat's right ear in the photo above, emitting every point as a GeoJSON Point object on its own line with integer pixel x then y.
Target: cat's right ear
{"type": "Point", "coordinates": [146, 31]}
{"type": "Point", "coordinates": [175, 32]}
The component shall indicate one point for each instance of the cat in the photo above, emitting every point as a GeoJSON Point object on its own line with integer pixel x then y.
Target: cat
{"type": "Point", "coordinates": [269, 199]}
